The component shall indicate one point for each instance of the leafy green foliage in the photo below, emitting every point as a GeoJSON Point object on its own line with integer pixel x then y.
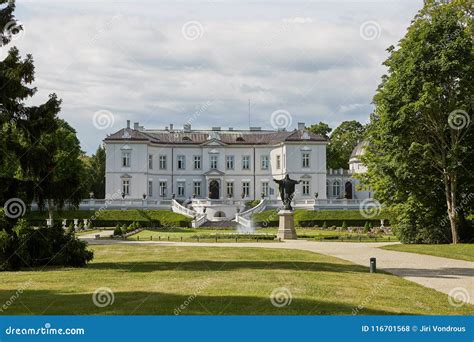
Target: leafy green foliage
{"type": "Point", "coordinates": [110, 218]}
{"type": "Point", "coordinates": [418, 163]}
{"type": "Point", "coordinates": [342, 142]}
{"type": "Point", "coordinates": [312, 218]}
{"type": "Point", "coordinates": [29, 247]}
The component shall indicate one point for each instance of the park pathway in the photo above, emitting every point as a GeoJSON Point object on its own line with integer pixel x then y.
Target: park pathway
{"type": "Point", "coordinates": [442, 274]}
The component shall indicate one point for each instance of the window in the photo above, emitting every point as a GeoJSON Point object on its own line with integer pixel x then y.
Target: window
{"type": "Point", "coordinates": [265, 189]}
{"type": "Point", "coordinates": [229, 162]}
{"type": "Point", "coordinates": [150, 161]}
{"type": "Point", "coordinates": [245, 162]}
{"type": "Point", "coordinates": [230, 189]}
{"type": "Point", "coordinates": [305, 159]}
{"type": "Point", "coordinates": [181, 189]}
{"type": "Point", "coordinates": [265, 162]}
{"type": "Point", "coordinates": [246, 189]}
{"type": "Point", "coordinates": [197, 162]}
{"type": "Point", "coordinates": [336, 189]}
{"type": "Point", "coordinates": [126, 187]}
{"type": "Point", "coordinates": [181, 162]}
{"type": "Point", "coordinates": [126, 159]}
{"type": "Point", "coordinates": [162, 162]}
{"type": "Point", "coordinates": [305, 184]}
{"type": "Point", "coordinates": [150, 188]}
{"type": "Point", "coordinates": [197, 189]}
{"type": "Point", "coordinates": [163, 189]}
{"type": "Point", "coordinates": [213, 162]}
{"type": "Point", "coordinates": [278, 162]}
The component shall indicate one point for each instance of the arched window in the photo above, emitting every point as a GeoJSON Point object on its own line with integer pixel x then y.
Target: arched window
{"type": "Point", "coordinates": [187, 139]}
{"type": "Point", "coordinates": [239, 139]}
{"type": "Point", "coordinates": [336, 189]}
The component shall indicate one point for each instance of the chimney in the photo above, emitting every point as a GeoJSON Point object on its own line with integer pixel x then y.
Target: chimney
{"type": "Point", "coordinates": [300, 125]}
{"type": "Point", "coordinates": [128, 124]}
{"type": "Point", "coordinates": [136, 126]}
{"type": "Point", "coordinates": [171, 127]}
{"type": "Point", "coordinates": [231, 128]}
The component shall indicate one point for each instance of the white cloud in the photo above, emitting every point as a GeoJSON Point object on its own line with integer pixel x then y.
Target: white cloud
{"type": "Point", "coordinates": [132, 59]}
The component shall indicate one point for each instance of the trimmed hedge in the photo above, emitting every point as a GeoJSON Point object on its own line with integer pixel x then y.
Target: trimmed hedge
{"type": "Point", "coordinates": [312, 218]}
{"type": "Point", "coordinates": [111, 218]}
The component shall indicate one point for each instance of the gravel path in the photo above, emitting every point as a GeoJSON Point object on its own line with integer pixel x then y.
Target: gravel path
{"type": "Point", "coordinates": [449, 276]}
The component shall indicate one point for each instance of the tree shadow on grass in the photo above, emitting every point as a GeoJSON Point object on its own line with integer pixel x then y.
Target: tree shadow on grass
{"type": "Point", "coordinates": [210, 265]}
{"type": "Point", "coordinates": [443, 272]}
{"type": "Point", "coordinates": [35, 302]}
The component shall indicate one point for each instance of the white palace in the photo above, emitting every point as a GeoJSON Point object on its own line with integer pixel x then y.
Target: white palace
{"type": "Point", "coordinates": [215, 171]}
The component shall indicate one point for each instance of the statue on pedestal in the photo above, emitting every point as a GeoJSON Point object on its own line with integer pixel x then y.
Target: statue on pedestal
{"type": "Point", "coordinates": [286, 186]}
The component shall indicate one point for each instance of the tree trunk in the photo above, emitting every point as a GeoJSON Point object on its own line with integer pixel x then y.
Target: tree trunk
{"type": "Point", "coordinates": [50, 211]}
{"type": "Point", "coordinates": [451, 202]}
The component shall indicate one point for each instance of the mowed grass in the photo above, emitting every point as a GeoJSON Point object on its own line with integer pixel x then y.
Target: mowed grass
{"type": "Point", "coordinates": [263, 234]}
{"type": "Point", "coordinates": [458, 251]}
{"type": "Point", "coordinates": [166, 280]}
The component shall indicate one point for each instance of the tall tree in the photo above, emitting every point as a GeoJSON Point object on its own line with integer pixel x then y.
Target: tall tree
{"type": "Point", "coordinates": [342, 142]}
{"type": "Point", "coordinates": [96, 173]}
{"type": "Point", "coordinates": [420, 133]}
{"type": "Point", "coordinates": [38, 152]}
{"type": "Point", "coordinates": [320, 128]}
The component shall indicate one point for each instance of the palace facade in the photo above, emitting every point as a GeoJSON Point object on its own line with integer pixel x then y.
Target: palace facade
{"type": "Point", "coordinates": [218, 164]}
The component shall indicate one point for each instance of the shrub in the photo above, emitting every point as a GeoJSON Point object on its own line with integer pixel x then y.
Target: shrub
{"type": "Point", "coordinates": [70, 229]}
{"type": "Point", "coordinates": [118, 231]}
{"type": "Point", "coordinates": [366, 227]}
{"type": "Point", "coordinates": [25, 246]}
{"type": "Point", "coordinates": [344, 225]}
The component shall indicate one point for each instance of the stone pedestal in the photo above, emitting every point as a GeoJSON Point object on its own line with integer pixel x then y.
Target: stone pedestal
{"type": "Point", "coordinates": [286, 228]}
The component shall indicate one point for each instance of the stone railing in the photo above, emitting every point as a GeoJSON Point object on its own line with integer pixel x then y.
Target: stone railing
{"type": "Point", "coordinates": [180, 209]}
{"type": "Point", "coordinates": [116, 204]}
{"type": "Point", "coordinates": [245, 218]}
{"type": "Point", "coordinates": [198, 219]}
{"type": "Point", "coordinates": [315, 204]}
{"type": "Point", "coordinates": [257, 209]}
{"type": "Point", "coordinates": [247, 223]}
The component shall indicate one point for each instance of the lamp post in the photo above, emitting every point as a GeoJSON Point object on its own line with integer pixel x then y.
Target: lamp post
{"type": "Point", "coordinates": [143, 201]}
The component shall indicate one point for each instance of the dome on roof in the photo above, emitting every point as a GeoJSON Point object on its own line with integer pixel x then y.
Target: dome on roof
{"type": "Point", "coordinates": [359, 149]}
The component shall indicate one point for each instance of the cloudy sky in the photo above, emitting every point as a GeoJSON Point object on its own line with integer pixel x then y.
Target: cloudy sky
{"type": "Point", "coordinates": [162, 62]}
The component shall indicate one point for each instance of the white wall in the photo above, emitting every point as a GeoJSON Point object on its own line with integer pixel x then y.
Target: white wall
{"type": "Point", "coordinates": [141, 175]}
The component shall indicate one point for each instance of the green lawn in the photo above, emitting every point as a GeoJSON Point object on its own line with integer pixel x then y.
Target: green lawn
{"type": "Point", "coordinates": [459, 251]}
{"type": "Point", "coordinates": [263, 234]}
{"type": "Point", "coordinates": [213, 281]}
